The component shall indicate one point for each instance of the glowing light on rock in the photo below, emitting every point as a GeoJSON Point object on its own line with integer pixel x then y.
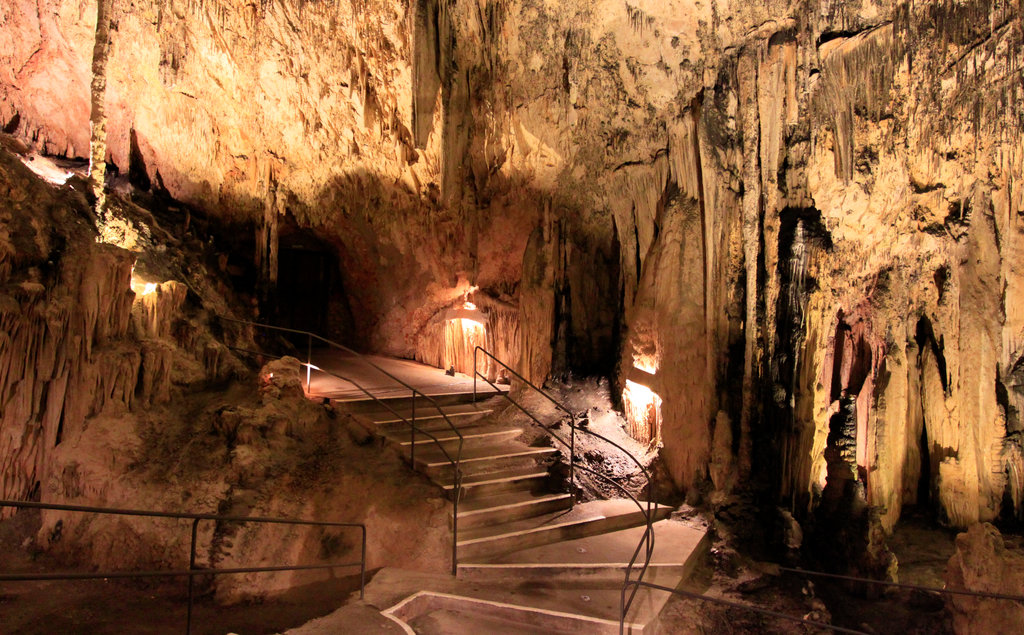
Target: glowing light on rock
{"type": "Point", "coordinates": [46, 169]}
{"type": "Point", "coordinates": [469, 306]}
{"type": "Point", "coordinates": [461, 337]}
{"type": "Point", "coordinates": [142, 287]}
{"type": "Point", "coordinates": [643, 413]}
{"type": "Point", "coordinates": [646, 363]}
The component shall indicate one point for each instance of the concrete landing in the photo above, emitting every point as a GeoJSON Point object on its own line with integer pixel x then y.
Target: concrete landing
{"type": "Point", "coordinates": [577, 591]}
{"type": "Point", "coordinates": [427, 379]}
{"type": "Point", "coordinates": [675, 545]}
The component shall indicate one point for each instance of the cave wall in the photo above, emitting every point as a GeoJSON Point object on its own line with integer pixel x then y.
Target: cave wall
{"type": "Point", "coordinates": [788, 188]}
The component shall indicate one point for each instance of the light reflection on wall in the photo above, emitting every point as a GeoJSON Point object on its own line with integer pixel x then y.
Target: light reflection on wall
{"type": "Point", "coordinates": [642, 408]}
{"type": "Point", "coordinates": [142, 287]}
{"type": "Point", "coordinates": [463, 332]}
{"type": "Point", "coordinates": [647, 363]}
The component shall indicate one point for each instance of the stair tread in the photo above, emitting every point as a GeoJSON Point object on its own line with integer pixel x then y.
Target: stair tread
{"type": "Point", "coordinates": [431, 425]}
{"type": "Point", "coordinates": [518, 474]}
{"type": "Point", "coordinates": [513, 499]}
{"type": "Point", "coordinates": [433, 456]}
{"type": "Point", "coordinates": [384, 417]}
{"type": "Point", "coordinates": [401, 436]}
{"type": "Point", "coordinates": [581, 514]}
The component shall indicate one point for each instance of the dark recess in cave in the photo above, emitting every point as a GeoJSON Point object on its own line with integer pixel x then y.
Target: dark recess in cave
{"type": "Point", "coordinates": [12, 126]}
{"type": "Point", "coordinates": [926, 336]}
{"type": "Point", "coordinates": [924, 479]}
{"type": "Point", "coordinates": [137, 174]}
{"type": "Point", "coordinates": [309, 294]}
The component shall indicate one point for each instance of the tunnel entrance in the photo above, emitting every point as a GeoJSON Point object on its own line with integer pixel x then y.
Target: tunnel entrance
{"type": "Point", "coordinates": [310, 294]}
{"type": "Point", "coordinates": [303, 288]}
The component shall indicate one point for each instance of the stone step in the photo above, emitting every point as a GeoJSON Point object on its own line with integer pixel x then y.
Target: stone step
{"type": "Point", "coordinates": [678, 547]}
{"type": "Point", "coordinates": [507, 507]}
{"type": "Point", "coordinates": [475, 459]}
{"type": "Point", "coordinates": [402, 398]}
{"type": "Point", "coordinates": [471, 435]}
{"type": "Point", "coordinates": [531, 478]}
{"type": "Point", "coordinates": [425, 412]}
{"type": "Point", "coordinates": [596, 517]}
{"type": "Point", "coordinates": [430, 424]}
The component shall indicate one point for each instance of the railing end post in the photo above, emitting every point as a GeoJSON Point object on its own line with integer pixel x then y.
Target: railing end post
{"type": "Point", "coordinates": [362, 568]}
{"type": "Point", "coordinates": [191, 575]}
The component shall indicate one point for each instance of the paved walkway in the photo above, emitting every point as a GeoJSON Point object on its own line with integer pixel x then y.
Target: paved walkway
{"type": "Point", "coordinates": [427, 379]}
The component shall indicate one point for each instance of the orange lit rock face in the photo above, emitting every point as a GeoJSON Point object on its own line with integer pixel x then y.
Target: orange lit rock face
{"type": "Point", "coordinates": [747, 187]}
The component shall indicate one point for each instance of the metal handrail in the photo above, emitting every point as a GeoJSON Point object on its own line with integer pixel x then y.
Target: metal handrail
{"type": "Point", "coordinates": [646, 543]}
{"type": "Point", "coordinates": [456, 462]}
{"type": "Point", "coordinates": [192, 571]}
{"type": "Point", "coordinates": [369, 394]}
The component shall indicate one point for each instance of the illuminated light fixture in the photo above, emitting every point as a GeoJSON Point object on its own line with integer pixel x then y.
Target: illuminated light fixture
{"type": "Point", "coordinates": [312, 366]}
{"type": "Point", "coordinates": [469, 306]}
{"type": "Point", "coordinates": [642, 408]}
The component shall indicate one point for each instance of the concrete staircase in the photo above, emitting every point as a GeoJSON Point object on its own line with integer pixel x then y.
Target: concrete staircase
{"type": "Point", "coordinates": [510, 500]}
{"type": "Point", "coordinates": [517, 527]}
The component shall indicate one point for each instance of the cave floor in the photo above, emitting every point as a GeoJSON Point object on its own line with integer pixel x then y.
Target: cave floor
{"type": "Point", "coordinates": [427, 379]}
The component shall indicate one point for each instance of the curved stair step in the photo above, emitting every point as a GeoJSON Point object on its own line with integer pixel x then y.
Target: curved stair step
{"type": "Point", "coordinates": [504, 508]}
{"type": "Point", "coordinates": [531, 478]}
{"type": "Point", "coordinates": [478, 459]}
{"type": "Point", "coordinates": [596, 517]}
{"type": "Point", "coordinates": [474, 434]}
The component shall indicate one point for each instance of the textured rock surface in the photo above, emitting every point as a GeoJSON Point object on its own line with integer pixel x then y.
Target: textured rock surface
{"type": "Point", "coordinates": [114, 391]}
{"type": "Point", "coordinates": [982, 562]}
{"type": "Point", "coordinates": [805, 217]}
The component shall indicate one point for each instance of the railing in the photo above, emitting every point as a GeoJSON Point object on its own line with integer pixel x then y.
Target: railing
{"type": "Point", "coordinates": [646, 544]}
{"type": "Point", "coordinates": [192, 570]}
{"type": "Point", "coordinates": [834, 576]}
{"type": "Point", "coordinates": [455, 462]}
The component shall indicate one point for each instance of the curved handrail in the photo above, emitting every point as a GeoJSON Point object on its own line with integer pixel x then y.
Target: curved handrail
{"type": "Point", "coordinates": [646, 543]}
{"type": "Point", "coordinates": [456, 463]}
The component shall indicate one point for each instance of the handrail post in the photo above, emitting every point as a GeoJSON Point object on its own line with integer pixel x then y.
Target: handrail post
{"type": "Point", "coordinates": [572, 461]}
{"type": "Point", "coordinates": [362, 567]}
{"type": "Point", "coordinates": [191, 576]}
{"type": "Point", "coordinates": [622, 608]}
{"type": "Point", "coordinates": [309, 360]}
{"type": "Point", "coordinates": [476, 349]}
{"type": "Point", "coordinates": [412, 433]}
{"type": "Point", "coordinates": [455, 515]}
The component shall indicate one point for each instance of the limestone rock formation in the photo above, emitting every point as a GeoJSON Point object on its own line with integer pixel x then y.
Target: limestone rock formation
{"type": "Point", "coordinates": [800, 220]}
{"type": "Point", "coordinates": [984, 563]}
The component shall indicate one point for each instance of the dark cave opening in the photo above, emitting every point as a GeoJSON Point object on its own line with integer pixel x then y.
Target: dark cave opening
{"type": "Point", "coordinates": [924, 478]}
{"type": "Point", "coordinates": [310, 293]}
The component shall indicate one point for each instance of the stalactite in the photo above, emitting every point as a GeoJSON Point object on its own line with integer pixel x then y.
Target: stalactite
{"type": "Point", "coordinates": [856, 80]}
{"type": "Point", "coordinates": [98, 117]}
